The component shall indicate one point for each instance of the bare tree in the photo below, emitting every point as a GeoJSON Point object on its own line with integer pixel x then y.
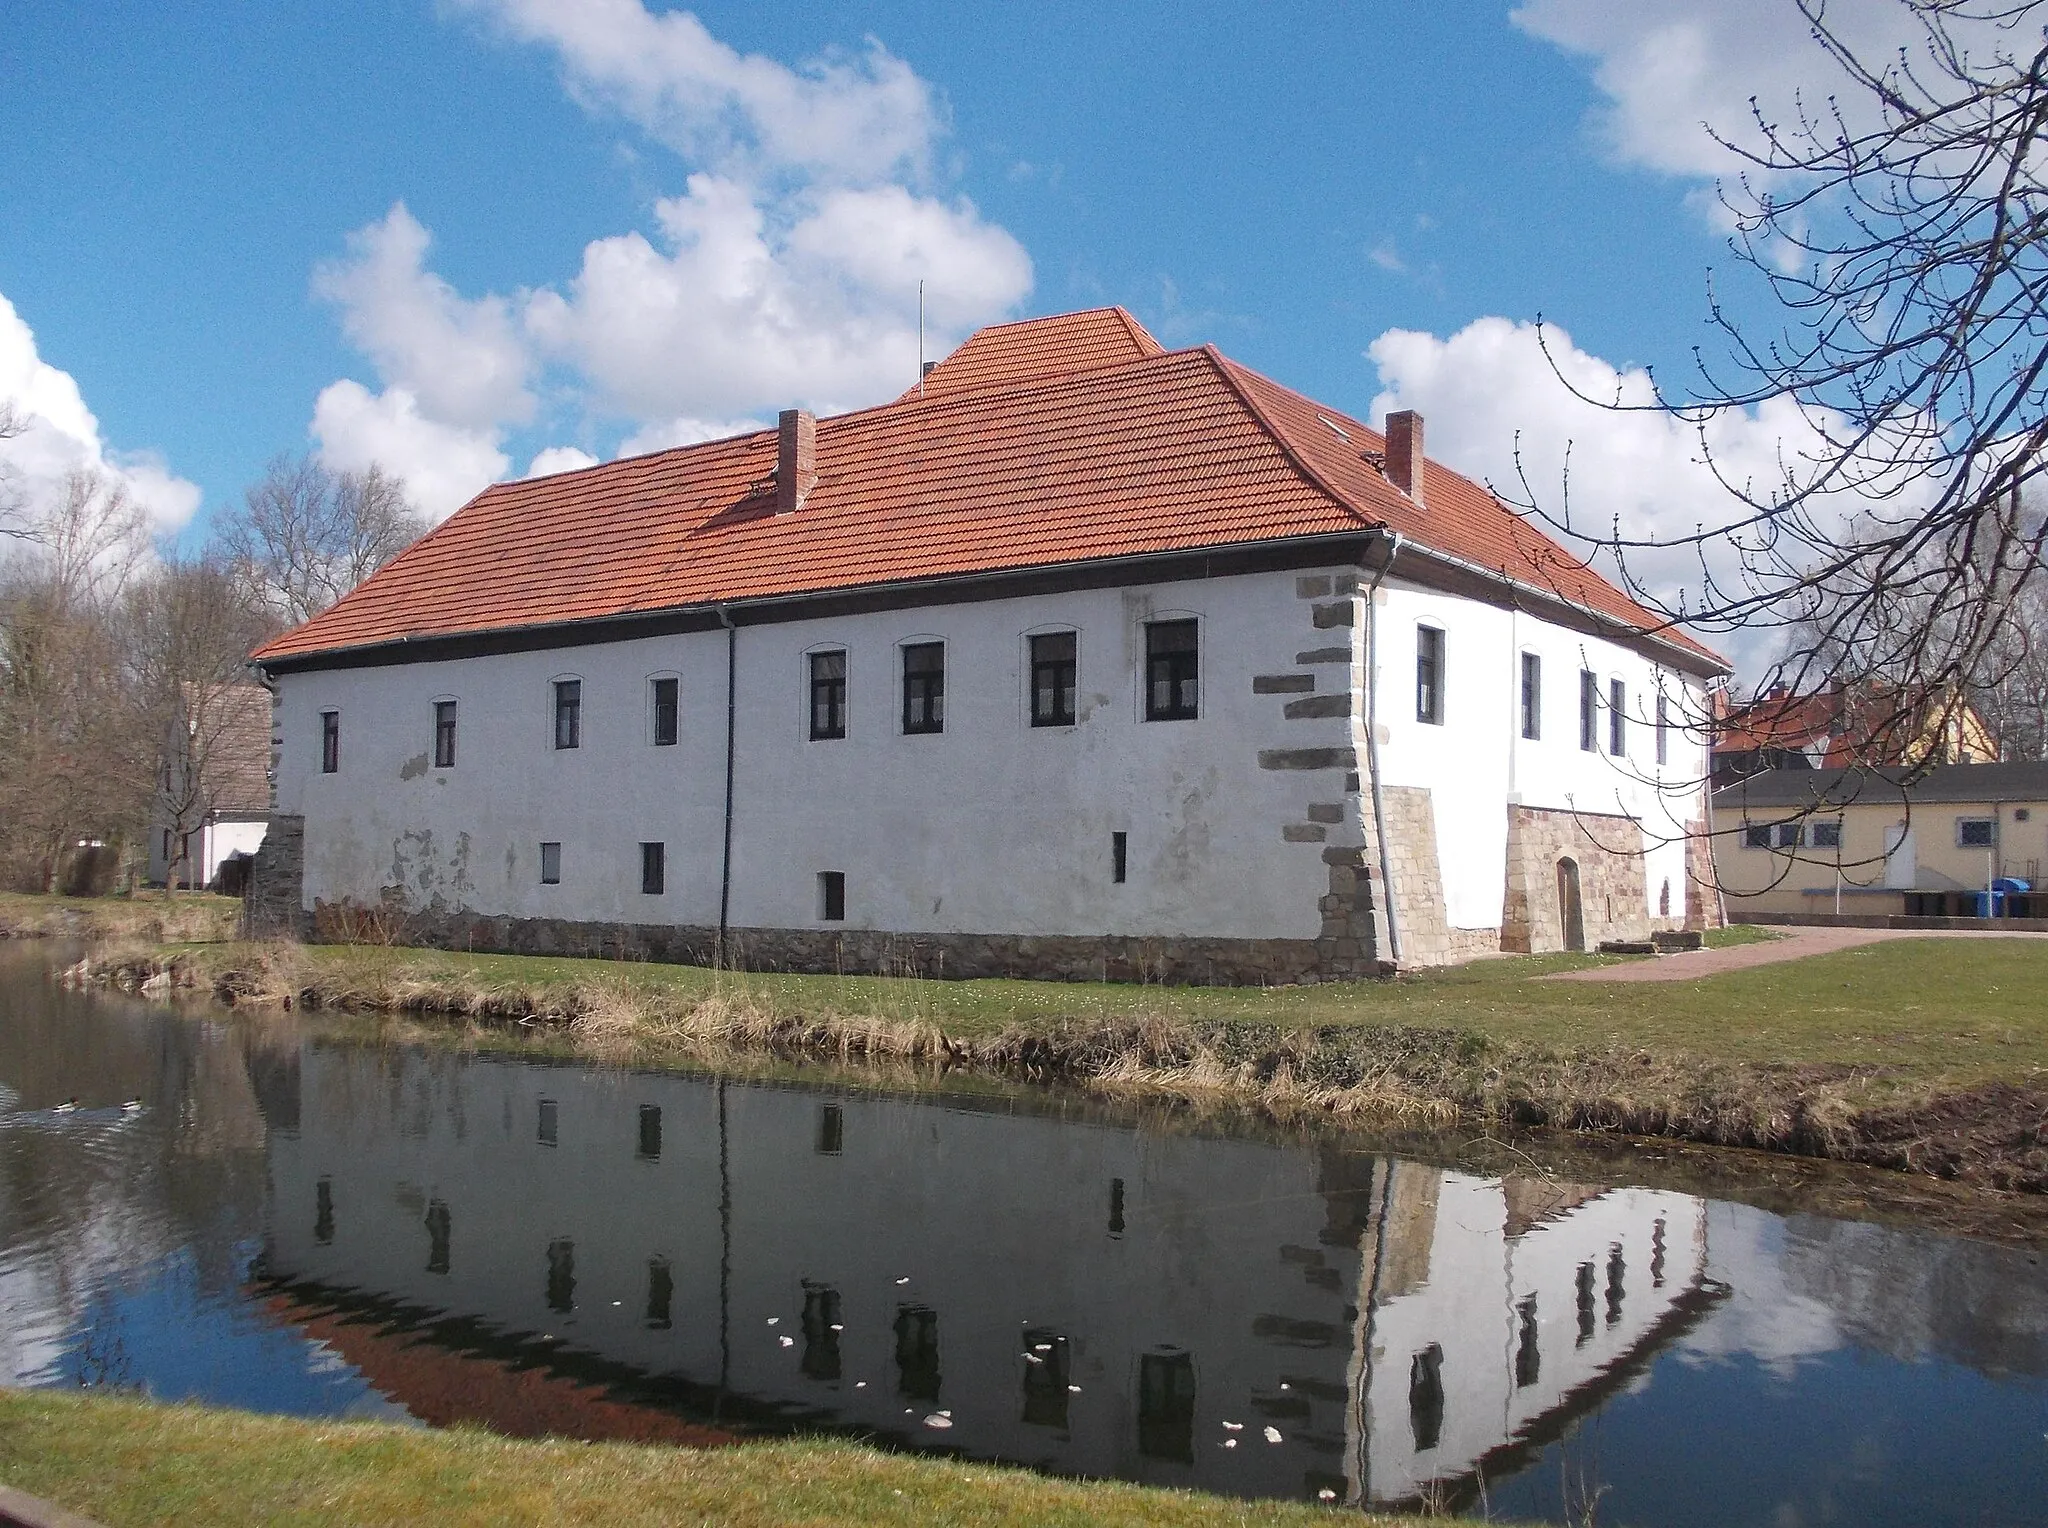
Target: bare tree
{"type": "Point", "coordinates": [1902, 227]}
{"type": "Point", "coordinates": [305, 536]}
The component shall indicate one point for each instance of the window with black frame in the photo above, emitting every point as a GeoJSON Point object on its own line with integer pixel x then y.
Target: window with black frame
{"type": "Point", "coordinates": [1617, 717]}
{"type": "Point", "coordinates": [1052, 679]}
{"type": "Point", "coordinates": [568, 713]}
{"type": "Point", "coordinates": [1172, 668]}
{"type": "Point", "coordinates": [1429, 675]}
{"type": "Point", "coordinates": [1532, 697]}
{"type": "Point", "coordinates": [444, 734]}
{"type": "Point", "coordinates": [330, 742]}
{"type": "Point", "coordinates": [828, 695]}
{"type": "Point", "coordinates": [924, 687]}
{"type": "Point", "coordinates": [665, 712]}
{"type": "Point", "coordinates": [1589, 711]}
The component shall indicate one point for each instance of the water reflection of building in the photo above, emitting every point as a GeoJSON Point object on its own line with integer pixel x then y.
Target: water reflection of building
{"type": "Point", "coordinates": [1085, 1298]}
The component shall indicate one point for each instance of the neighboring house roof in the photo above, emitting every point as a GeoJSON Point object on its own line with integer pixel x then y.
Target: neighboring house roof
{"type": "Point", "coordinates": [1836, 788]}
{"type": "Point", "coordinates": [1861, 724]}
{"type": "Point", "coordinates": [235, 755]}
{"type": "Point", "coordinates": [1037, 445]}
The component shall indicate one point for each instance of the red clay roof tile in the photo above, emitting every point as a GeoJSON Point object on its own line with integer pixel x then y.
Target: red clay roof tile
{"type": "Point", "coordinates": [1040, 443]}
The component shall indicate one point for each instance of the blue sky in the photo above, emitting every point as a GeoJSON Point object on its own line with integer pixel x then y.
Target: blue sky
{"type": "Point", "coordinates": [454, 236]}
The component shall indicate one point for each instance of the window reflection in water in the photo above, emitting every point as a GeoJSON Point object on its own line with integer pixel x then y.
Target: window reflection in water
{"type": "Point", "coordinates": [1616, 1267]}
{"type": "Point", "coordinates": [1528, 1352]}
{"type": "Point", "coordinates": [831, 1130]}
{"type": "Point", "coordinates": [1116, 1206]}
{"type": "Point", "coordinates": [323, 1212]}
{"type": "Point", "coordinates": [661, 1293]}
{"type": "Point", "coordinates": [1166, 1406]}
{"type": "Point", "coordinates": [1426, 1396]}
{"type": "Point", "coordinates": [650, 1133]}
{"type": "Point", "coordinates": [562, 1275]}
{"type": "Point", "coordinates": [822, 1326]}
{"type": "Point", "coordinates": [1585, 1287]}
{"type": "Point", "coordinates": [917, 1352]}
{"type": "Point", "coordinates": [438, 1224]}
{"type": "Point", "coordinates": [1046, 1377]}
{"type": "Point", "coordinates": [545, 1132]}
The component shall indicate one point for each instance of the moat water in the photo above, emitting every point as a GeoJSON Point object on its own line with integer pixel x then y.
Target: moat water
{"type": "Point", "coordinates": [293, 1221]}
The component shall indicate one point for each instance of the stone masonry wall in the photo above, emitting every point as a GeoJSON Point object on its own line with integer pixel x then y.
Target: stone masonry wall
{"type": "Point", "coordinates": [1612, 897]}
{"type": "Point", "coordinates": [273, 901]}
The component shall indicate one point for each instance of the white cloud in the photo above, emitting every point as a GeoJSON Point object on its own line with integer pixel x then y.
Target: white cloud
{"type": "Point", "coordinates": [63, 436]}
{"type": "Point", "coordinates": [736, 314]}
{"type": "Point", "coordinates": [684, 431]}
{"type": "Point", "coordinates": [559, 459]}
{"type": "Point", "coordinates": [1670, 67]}
{"type": "Point", "coordinates": [443, 465]}
{"type": "Point", "coordinates": [786, 273]}
{"type": "Point", "coordinates": [864, 116]}
{"type": "Point", "coordinates": [1490, 392]}
{"type": "Point", "coordinates": [463, 360]}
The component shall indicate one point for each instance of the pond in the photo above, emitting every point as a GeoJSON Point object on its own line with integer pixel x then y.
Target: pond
{"type": "Point", "coordinates": [298, 1222]}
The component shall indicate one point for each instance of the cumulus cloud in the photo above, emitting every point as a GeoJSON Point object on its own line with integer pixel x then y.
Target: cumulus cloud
{"type": "Point", "coordinates": [865, 116]}
{"type": "Point", "coordinates": [559, 459]}
{"type": "Point", "coordinates": [733, 313]}
{"type": "Point", "coordinates": [1499, 409]}
{"type": "Point", "coordinates": [63, 436]}
{"type": "Point", "coordinates": [443, 465]}
{"type": "Point", "coordinates": [787, 272]}
{"type": "Point", "coordinates": [1671, 68]}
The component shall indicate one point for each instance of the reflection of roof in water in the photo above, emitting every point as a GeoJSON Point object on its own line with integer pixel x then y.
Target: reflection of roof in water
{"type": "Point", "coordinates": [445, 1372]}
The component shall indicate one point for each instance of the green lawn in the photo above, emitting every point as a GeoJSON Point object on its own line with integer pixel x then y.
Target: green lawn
{"type": "Point", "coordinates": [127, 1463]}
{"type": "Point", "coordinates": [1951, 1012]}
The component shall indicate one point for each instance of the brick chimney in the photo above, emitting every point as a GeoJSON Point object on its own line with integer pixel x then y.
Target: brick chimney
{"type": "Point", "coordinates": [1404, 453]}
{"type": "Point", "coordinates": [796, 457]}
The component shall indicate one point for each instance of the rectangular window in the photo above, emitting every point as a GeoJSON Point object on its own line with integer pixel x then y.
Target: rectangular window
{"type": "Point", "coordinates": [1166, 1406]}
{"type": "Point", "coordinates": [831, 1130]}
{"type": "Point", "coordinates": [1756, 835]}
{"type": "Point", "coordinates": [828, 695]}
{"type": "Point", "coordinates": [1827, 835]}
{"type": "Point", "coordinates": [1788, 835]}
{"type": "Point", "coordinates": [1048, 1366]}
{"type": "Point", "coordinates": [1663, 728]}
{"type": "Point", "coordinates": [568, 713]}
{"type": "Point", "coordinates": [665, 712]}
{"type": "Point", "coordinates": [1171, 664]}
{"type": "Point", "coordinates": [649, 1148]}
{"type": "Point", "coordinates": [832, 896]}
{"type": "Point", "coordinates": [330, 742]}
{"type": "Point", "coordinates": [550, 1116]}
{"type": "Point", "coordinates": [1617, 717]}
{"type": "Point", "coordinates": [444, 734]}
{"type": "Point", "coordinates": [1532, 696]}
{"type": "Point", "coordinates": [1429, 675]}
{"type": "Point", "coordinates": [924, 687]}
{"type": "Point", "coordinates": [653, 869]}
{"type": "Point", "coordinates": [917, 1352]}
{"type": "Point", "coordinates": [1976, 832]}
{"type": "Point", "coordinates": [551, 864]}
{"type": "Point", "coordinates": [661, 1293]}
{"type": "Point", "coordinates": [1119, 856]}
{"type": "Point", "coordinates": [1589, 711]}
{"type": "Point", "coordinates": [1052, 679]}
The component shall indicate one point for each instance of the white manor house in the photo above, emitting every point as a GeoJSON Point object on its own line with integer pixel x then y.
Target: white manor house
{"type": "Point", "coordinates": [1083, 658]}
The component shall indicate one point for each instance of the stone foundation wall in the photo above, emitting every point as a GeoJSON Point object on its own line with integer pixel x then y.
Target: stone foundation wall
{"type": "Point", "coordinates": [273, 900]}
{"type": "Point", "coordinates": [1702, 896]}
{"type": "Point", "coordinates": [1612, 893]}
{"type": "Point", "coordinates": [861, 952]}
{"type": "Point", "coordinates": [1427, 937]}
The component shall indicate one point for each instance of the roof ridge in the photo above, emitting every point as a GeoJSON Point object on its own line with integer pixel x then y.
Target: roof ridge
{"type": "Point", "coordinates": [1227, 369]}
{"type": "Point", "coordinates": [1138, 332]}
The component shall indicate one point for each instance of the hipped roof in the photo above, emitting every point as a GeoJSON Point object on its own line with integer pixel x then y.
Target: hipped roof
{"type": "Point", "coordinates": [1038, 444]}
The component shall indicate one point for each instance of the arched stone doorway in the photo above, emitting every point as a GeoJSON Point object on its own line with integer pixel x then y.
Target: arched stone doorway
{"type": "Point", "coordinates": [1571, 914]}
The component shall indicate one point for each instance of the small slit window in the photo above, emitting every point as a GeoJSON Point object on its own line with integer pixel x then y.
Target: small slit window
{"type": "Point", "coordinates": [653, 869]}
{"type": "Point", "coordinates": [551, 864]}
{"type": "Point", "coordinates": [1617, 718]}
{"type": "Point", "coordinates": [832, 896]}
{"type": "Point", "coordinates": [1429, 675]}
{"type": "Point", "coordinates": [828, 695]}
{"type": "Point", "coordinates": [1589, 711]}
{"type": "Point", "coordinates": [1119, 856]}
{"type": "Point", "coordinates": [924, 687]}
{"type": "Point", "coordinates": [1663, 728]}
{"type": "Point", "coordinates": [1172, 665]}
{"type": "Point", "coordinates": [1052, 679]}
{"type": "Point", "coordinates": [568, 713]}
{"type": "Point", "coordinates": [444, 734]}
{"type": "Point", "coordinates": [1532, 696]}
{"type": "Point", "coordinates": [330, 742]}
{"type": "Point", "coordinates": [666, 709]}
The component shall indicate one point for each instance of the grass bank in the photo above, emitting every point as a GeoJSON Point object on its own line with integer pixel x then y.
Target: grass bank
{"type": "Point", "coordinates": [1929, 1056]}
{"type": "Point", "coordinates": [188, 917]}
{"type": "Point", "coordinates": [127, 1463]}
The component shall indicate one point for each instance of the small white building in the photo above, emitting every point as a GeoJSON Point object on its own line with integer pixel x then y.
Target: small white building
{"type": "Point", "coordinates": [1082, 658]}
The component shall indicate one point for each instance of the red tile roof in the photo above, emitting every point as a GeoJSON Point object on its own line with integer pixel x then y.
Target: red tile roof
{"type": "Point", "coordinates": [1036, 444]}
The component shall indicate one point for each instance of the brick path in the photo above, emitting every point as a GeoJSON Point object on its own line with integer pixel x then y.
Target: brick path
{"type": "Point", "coordinates": [1797, 944]}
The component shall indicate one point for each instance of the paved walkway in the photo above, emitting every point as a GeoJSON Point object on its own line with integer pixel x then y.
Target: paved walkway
{"type": "Point", "coordinates": [1796, 944]}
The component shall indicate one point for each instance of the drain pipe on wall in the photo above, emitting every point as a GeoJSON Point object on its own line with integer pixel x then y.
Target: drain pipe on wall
{"type": "Point", "coordinates": [1372, 739]}
{"type": "Point", "coordinates": [732, 642]}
